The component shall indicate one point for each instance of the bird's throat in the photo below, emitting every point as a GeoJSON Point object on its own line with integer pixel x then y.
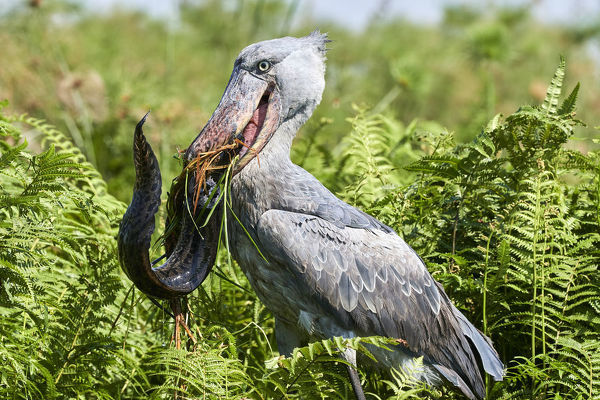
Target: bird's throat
{"type": "Point", "coordinates": [255, 125]}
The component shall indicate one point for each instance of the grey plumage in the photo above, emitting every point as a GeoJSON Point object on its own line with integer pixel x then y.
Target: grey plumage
{"type": "Point", "coordinates": [323, 267]}
{"type": "Point", "coordinates": [332, 269]}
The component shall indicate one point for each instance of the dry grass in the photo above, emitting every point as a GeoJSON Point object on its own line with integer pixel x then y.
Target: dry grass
{"type": "Point", "coordinates": [207, 164]}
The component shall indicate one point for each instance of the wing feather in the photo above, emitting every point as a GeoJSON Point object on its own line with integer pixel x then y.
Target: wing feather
{"type": "Point", "coordinates": [371, 281]}
{"type": "Point", "coordinates": [357, 262]}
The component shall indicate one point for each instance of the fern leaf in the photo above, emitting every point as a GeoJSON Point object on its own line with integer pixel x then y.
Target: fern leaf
{"type": "Point", "coordinates": [550, 103]}
{"type": "Point", "coordinates": [568, 105]}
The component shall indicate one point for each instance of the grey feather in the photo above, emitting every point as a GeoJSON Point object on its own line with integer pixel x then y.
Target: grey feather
{"type": "Point", "coordinates": [332, 269]}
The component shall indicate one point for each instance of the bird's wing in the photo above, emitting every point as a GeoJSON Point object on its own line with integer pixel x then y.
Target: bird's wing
{"type": "Point", "coordinates": [372, 282]}
{"type": "Point", "coordinates": [308, 196]}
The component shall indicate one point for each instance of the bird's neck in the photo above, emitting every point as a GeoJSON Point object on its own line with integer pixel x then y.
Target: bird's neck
{"type": "Point", "coordinates": [281, 142]}
{"type": "Point", "coordinates": [261, 184]}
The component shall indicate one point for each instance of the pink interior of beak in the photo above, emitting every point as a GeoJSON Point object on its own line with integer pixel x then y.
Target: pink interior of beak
{"type": "Point", "coordinates": [255, 125]}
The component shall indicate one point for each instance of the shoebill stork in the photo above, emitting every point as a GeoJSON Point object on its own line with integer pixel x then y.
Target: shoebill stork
{"type": "Point", "coordinates": [328, 268]}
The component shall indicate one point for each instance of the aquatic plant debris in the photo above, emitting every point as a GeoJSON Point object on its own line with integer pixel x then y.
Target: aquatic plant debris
{"type": "Point", "coordinates": [205, 167]}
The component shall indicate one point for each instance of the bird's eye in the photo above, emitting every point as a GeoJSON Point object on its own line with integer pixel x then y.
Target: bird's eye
{"type": "Point", "coordinates": [263, 66]}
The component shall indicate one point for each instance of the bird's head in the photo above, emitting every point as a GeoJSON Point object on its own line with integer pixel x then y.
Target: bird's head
{"type": "Point", "coordinates": [272, 82]}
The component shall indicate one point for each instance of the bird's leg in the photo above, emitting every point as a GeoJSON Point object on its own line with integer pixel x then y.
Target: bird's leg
{"type": "Point", "coordinates": [350, 356]}
{"type": "Point", "coordinates": [355, 381]}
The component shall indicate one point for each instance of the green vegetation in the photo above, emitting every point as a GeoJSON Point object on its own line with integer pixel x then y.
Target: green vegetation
{"type": "Point", "coordinates": [506, 213]}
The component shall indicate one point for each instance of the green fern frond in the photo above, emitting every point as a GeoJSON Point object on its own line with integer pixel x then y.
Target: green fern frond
{"type": "Point", "coordinates": [568, 104]}
{"type": "Point", "coordinates": [550, 103]}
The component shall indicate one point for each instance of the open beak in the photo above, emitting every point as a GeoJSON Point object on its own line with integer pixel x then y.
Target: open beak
{"type": "Point", "coordinates": [248, 114]}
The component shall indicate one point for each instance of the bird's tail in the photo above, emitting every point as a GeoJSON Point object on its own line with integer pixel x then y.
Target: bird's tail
{"type": "Point", "coordinates": [483, 345]}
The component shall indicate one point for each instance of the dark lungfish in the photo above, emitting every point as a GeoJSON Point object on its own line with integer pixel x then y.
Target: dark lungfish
{"type": "Point", "coordinates": [194, 252]}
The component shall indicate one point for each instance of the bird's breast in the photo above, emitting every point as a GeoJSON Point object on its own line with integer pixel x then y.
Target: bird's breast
{"type": "Point", "coordinates": [252, 194]}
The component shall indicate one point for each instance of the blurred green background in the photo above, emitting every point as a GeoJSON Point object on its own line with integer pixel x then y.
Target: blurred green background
{"type": "Point", "coordinates": [93, 70]}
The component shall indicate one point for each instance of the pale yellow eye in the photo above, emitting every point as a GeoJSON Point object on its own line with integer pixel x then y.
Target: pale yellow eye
{"type": "Point", "coordinates": [264, 66]}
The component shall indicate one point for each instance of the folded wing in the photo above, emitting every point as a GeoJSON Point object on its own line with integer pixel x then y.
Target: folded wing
{"type": "Point", "coordinates": [372, 282]}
